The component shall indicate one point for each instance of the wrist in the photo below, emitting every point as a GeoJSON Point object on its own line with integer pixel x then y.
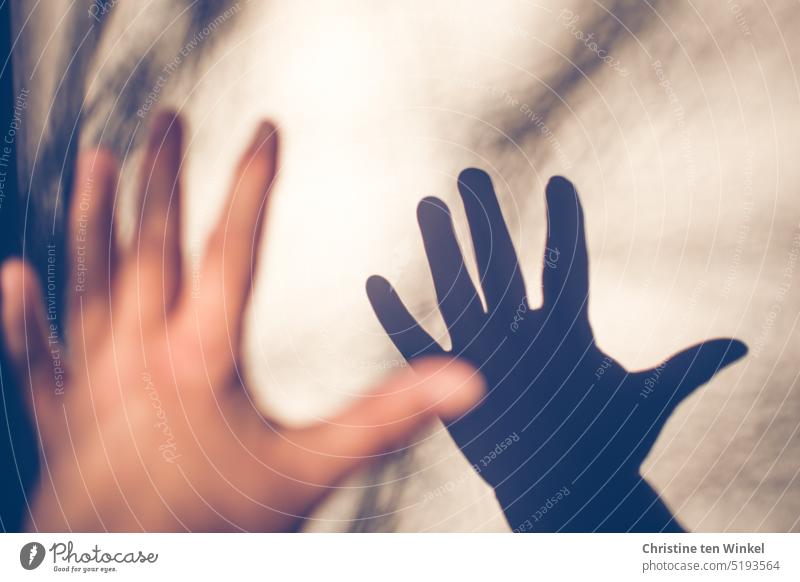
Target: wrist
{"type": "Point", "coordinates": [623, 503]}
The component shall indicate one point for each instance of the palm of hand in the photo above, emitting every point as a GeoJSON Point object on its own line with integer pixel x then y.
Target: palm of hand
{"type": "Point", "coordinates": [563, 423]}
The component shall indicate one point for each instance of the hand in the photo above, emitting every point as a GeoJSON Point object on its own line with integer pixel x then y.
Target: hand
{"type": "Point", "coordinates": [143, 418]}
{"type": "Point", "coordinates": [564, 428]}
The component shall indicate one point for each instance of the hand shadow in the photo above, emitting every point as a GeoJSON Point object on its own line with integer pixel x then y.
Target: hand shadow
{"type": "Point", "coordinates": [564, 428]}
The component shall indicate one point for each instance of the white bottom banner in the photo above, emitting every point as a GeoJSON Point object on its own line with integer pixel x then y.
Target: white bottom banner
{"type": "Point", "coordinates": [618, 557]}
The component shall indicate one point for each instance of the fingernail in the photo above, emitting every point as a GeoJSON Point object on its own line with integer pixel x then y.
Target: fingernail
{"type": "Point", "coordinates": [264, 139]}
{"type": "Point", "coordinates": [458, 391]}
{"type": "Point", "coordinates": [165, 130]}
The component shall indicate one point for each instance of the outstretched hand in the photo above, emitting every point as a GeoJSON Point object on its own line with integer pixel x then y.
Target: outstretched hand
{"type": "Point", "coordinates": [143, 418]}
{"type": "Point", "coordinates": [564, 428]}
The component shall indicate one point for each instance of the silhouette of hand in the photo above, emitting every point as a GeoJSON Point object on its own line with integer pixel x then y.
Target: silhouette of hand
{"type": "Point", "coordinates": [564, 428]}
{"type": "Point", "coordinates": [143, 418]}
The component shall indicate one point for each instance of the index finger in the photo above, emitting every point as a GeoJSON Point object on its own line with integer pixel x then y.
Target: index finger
{"type": "Point", "coordinates": [499, 269]}
{"type": "Point", "coordinates": [232, 250]}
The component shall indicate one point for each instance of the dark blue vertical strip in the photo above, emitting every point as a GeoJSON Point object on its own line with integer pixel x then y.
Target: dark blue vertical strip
{"type": "Point", "coordinates": [18, 451]}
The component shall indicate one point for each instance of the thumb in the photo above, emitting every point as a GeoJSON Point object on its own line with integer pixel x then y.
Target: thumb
{"type": "Point", "coordinates": [385, 418]}
{"type": "Point", "coordinates": [689, 369]}
{"type": "Point", "coordinates": [25, 331]}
